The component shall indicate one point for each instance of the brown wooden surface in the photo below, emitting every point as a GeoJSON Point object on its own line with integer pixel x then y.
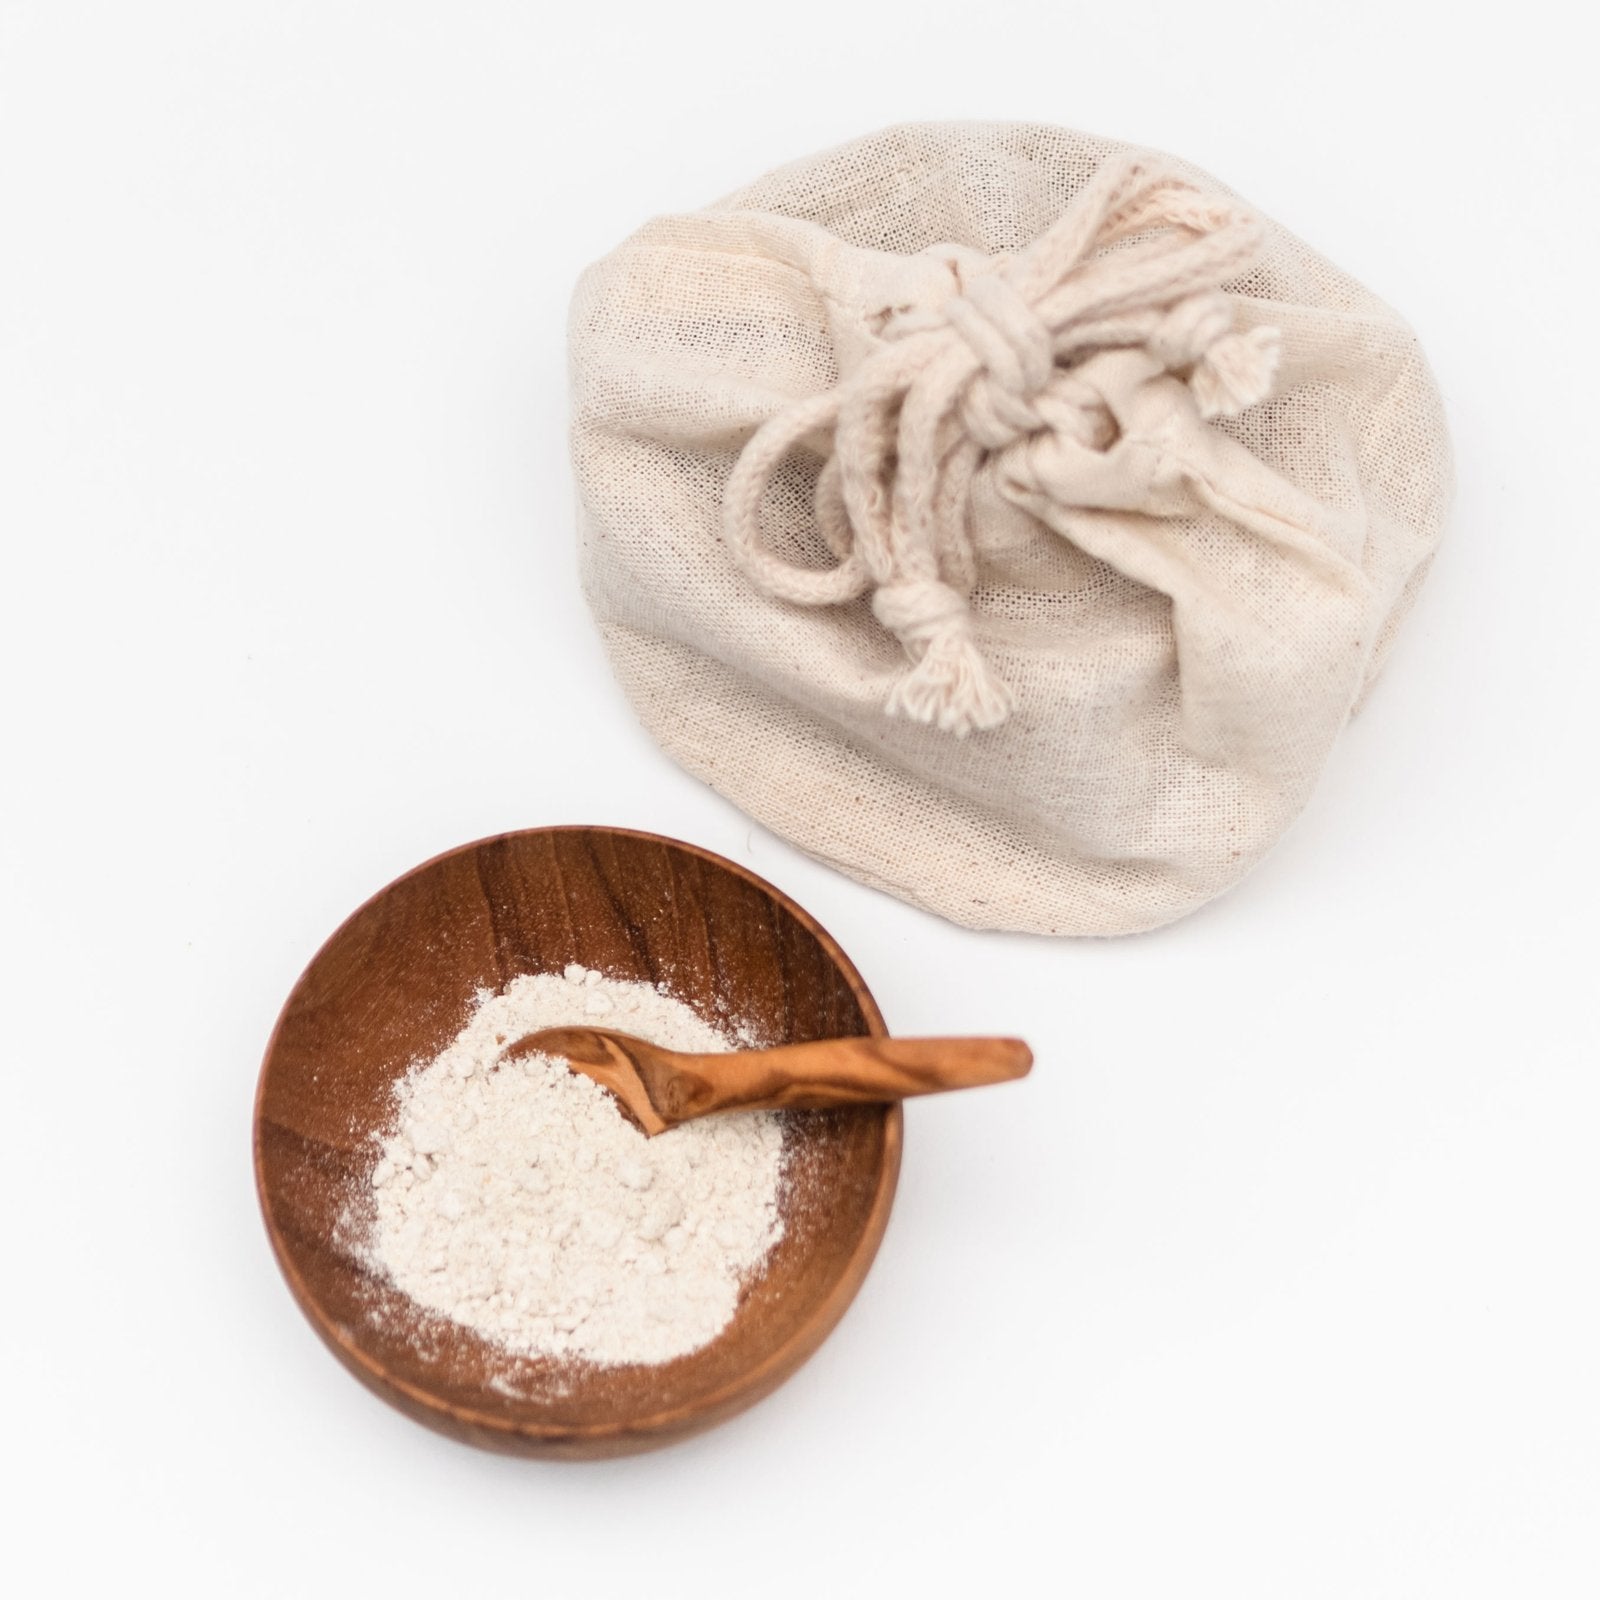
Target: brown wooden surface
{"type": "Point", "coordinates": [660, 1088]}
{"type": "Point", "coordinates": [395, 983]}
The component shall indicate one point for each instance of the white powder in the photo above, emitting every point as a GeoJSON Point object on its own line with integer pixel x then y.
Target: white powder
{"type": "Point", "coordinates": [517, 1200]}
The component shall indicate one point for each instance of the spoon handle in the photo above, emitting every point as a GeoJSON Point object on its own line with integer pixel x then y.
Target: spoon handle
{"type": "Point", "coordinates": [841, 1072]}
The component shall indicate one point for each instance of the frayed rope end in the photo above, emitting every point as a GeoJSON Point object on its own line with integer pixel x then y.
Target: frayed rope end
{"type": "Point", "coordinates": [952, 688]}
{"type": "Point", "coordinates": [1236, 372]}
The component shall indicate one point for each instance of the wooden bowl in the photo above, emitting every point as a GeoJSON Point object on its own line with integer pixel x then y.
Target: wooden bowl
{"type": "Point", "coordinates": [395, 984]}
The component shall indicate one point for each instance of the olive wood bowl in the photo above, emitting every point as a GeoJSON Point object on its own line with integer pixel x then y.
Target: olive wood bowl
{"type": "Point", "coordinates": [394, 985]}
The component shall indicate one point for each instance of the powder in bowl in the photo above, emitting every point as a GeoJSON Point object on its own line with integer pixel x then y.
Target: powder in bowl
{"type": "Point", "coordinates": [517, 1200]}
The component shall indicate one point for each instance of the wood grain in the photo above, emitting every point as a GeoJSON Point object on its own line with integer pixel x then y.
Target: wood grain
{"type": "Point", "coordinates": [660, 1088]}
{"type": "Point", "coordinates": [395, 983]}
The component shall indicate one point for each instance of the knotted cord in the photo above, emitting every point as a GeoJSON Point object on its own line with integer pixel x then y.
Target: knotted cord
{"type": "Point", "coordinates": [995, 363]}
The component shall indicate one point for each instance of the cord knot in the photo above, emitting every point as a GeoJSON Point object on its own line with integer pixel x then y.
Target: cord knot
{"type": "Point", "coordinates": [1016, 353]}
{"type": "Point", "coordinates": [915, 609]}
{"type": "Point", "coordinates": [1188, 329]}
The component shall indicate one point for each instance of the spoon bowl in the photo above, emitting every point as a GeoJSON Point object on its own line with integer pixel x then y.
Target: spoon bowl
{"type": "Point", "coordinates": [394, 985]}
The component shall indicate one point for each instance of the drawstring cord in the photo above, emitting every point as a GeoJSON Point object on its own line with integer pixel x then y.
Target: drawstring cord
{"type": "Point", "coordinates": [995, 363]}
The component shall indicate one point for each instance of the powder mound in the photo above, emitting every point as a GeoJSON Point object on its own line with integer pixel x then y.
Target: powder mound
{"type": "Point", "coordinates": [517, 1200]}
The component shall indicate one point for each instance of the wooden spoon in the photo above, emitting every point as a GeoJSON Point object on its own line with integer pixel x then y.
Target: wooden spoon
{"type": "Point", "coordinates": [659, 1088]}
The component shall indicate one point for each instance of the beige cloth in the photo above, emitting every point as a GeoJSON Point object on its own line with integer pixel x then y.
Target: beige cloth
{"type": "Point", "coordinates": [1007, 517]}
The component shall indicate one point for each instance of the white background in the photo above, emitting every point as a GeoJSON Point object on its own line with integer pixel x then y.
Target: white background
{"type": "Point", "coordinates": [1278, 1278]}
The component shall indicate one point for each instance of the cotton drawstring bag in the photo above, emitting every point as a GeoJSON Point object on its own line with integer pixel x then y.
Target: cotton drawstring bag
{"type": "Point", "coordinates": [1009, 517]}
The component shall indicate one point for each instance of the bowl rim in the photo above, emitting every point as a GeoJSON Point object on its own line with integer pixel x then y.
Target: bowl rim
{"type": "Point", "coordinates": [670, 1423]}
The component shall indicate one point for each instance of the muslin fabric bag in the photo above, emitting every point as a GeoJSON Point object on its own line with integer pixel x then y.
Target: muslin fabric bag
{"type": "Point", "coordinates": [1006, 516]}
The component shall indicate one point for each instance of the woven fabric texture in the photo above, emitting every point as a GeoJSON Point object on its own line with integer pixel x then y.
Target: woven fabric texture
{"type": "Point", "coordinates": [1006, 516]}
